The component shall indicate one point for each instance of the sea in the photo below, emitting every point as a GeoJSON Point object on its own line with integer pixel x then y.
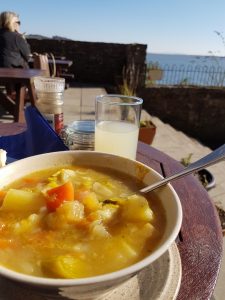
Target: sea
{"type": "Point", "coordinates": [189, 69]}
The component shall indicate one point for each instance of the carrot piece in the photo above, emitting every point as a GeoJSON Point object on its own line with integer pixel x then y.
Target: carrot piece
{"type": "Point", "coordinates": [28, 180]}
{"type": "Point", "coordinates": [59, 194]}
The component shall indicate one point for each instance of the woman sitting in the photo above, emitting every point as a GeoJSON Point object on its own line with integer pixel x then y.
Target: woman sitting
{"type": "Point", "coordinates": [14, 49]}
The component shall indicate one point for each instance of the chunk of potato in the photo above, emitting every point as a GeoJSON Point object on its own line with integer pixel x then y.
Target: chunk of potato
{"type": "Point", "coordinates": [91, 202]}
{"type": "Point", "coordinates": [102, 190]}
{"type": "Point", "coordinates": [98, 231]}
{"type": "Point", "coordinates": [121, 251]}
{"type": "Point", "coordinates": [126, 249]}
{"type": "Point", "coordinates": [72, 211]}
{"type": "Point", "coordinates": [66, 266]}
{"type": "Point", "coordinates": [136, 209]}
{"type": "Point", "coordinates": [141, 232]}
{"type": "Point", "coordinates": [62, 176]}
{"type": "Point", "coordinates": [20, 200]}
{"type": "Point", "coordinates": [109, 212]}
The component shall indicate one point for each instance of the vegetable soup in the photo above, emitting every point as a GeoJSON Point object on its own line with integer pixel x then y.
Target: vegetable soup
{"type": "Point", "coordinates": [76, 222]}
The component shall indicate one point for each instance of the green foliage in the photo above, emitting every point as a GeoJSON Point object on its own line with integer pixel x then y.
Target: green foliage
{"type": "Point", "coordinates": [146, 123]}
{"type": "Point", "coordinates": [127, 90]}
{"type": "Point", "coordinates": [186, 160]}
{"type": "Point", "coordinates": [130, 79]}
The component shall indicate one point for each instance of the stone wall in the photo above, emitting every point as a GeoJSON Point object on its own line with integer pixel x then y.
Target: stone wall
{"type": "Point", "coordinates": [96, 63]}
{"type": "Point", "coordinates": [198, 112]}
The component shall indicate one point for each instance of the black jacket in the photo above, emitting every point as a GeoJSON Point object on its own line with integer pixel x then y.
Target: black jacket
{"type": "Point", "coordinates": [14, 50]}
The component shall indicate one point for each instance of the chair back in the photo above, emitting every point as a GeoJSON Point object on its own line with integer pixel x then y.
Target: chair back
{"type": "Point", "coordinates": [40, 61]}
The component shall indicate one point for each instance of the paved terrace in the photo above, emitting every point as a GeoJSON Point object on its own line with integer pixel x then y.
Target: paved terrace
{"type": "Point", "coordinates": [80, 105]}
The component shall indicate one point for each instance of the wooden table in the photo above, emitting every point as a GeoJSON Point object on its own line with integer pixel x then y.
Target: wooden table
{"type": "Point", "coordinates": [200, 239]}
{"type": "Point", "coordinates": [21, 79]}
{"type": "Point", "coordinates": [62, 66]}
{"type": "Point", "coordinates": [63, 63]}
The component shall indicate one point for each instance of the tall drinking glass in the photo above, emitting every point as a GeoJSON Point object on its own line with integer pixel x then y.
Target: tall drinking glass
{"type": "Point", "coordinates": [117, 119]}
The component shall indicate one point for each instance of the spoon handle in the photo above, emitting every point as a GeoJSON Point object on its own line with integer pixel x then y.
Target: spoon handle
{"type": "Point", "coordinates": [210, 159]}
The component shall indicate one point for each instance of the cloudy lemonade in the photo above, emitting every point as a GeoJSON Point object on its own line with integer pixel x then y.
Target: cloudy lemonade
{"type": "Point", "coordinates": [117, 138]}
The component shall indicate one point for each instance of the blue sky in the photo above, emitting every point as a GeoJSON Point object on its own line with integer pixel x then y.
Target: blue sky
{"type": "Point", "coordinates": [166, 26]}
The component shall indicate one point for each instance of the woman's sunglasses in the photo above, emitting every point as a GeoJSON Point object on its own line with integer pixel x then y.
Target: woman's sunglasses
{"type": "Point", "coordinates": [18, 22]}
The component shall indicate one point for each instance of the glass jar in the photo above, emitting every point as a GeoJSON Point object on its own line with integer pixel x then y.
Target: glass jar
{"type": "Point", "coordinates": [50, 100]}
{"type": "Point", "coordinates": [79, 135]}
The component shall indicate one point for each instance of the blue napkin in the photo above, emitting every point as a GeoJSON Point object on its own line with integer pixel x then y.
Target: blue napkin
{"type": "Point", "coordinates": [37, 139]}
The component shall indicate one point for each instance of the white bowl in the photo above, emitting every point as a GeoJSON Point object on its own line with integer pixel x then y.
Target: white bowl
{"type": "Point", "coordinates": [94, 286]}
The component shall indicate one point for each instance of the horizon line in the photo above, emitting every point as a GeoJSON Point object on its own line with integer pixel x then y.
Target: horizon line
{"type": "Point", "coordinates": [189, 54]}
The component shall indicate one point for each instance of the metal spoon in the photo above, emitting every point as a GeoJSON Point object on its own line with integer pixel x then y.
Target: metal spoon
{"type": "Point", "coordinates": [210, 159]}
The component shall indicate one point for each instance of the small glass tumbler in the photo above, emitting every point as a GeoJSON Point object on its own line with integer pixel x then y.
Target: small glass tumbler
{"type": "Point", "coordinates": [117, 119]}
